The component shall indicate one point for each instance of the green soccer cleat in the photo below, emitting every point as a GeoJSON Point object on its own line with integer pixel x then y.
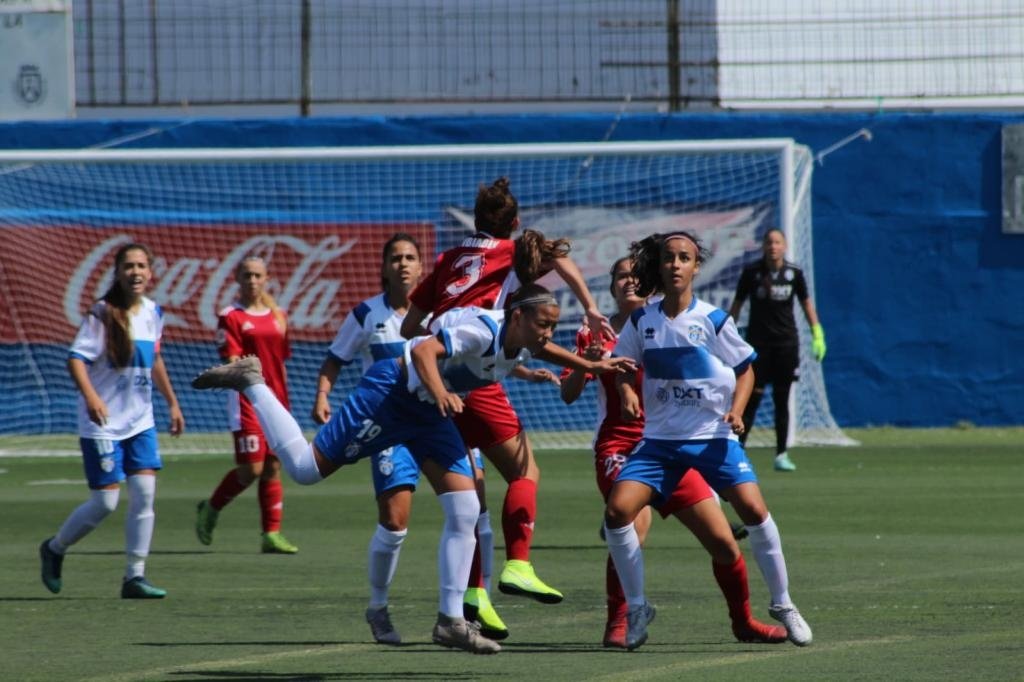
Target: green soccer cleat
{"type": "Point", "coordinates": [139, 588]}
{"type": "Point", "coordinates": [206, 521]}
{"type": "Point", "coordinates": [51, 564]}
{"type": "Point", "coordinates": [275, 543]}
{"type": "Point", "coordinates": [784, 463]}
{"type": "Point", "coordinates": [477, 607]}
{"type": "Point", "coordinates": [519, 578]}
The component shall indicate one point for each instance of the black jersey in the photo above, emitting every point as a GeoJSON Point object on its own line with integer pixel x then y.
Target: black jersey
{"type": "Point", "coordinates": [771, 294]}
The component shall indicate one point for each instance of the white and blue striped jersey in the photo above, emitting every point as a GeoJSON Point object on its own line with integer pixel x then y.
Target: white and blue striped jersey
{"type": "Point", "coordinates": [127, 391]}
{"type": "Point", "coordinates": [690, 364]}
{"type": "Point", "coordinates": [371, 332]}
{"type": "Point", "coordinates": [473, 340]}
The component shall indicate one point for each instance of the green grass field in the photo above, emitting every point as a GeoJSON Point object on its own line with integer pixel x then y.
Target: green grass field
{"type": "Point", "coordinates": [905, 555]}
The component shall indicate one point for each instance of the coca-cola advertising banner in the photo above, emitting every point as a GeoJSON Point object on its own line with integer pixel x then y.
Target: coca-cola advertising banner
{"type": "Point", "coordinates": [318, 273]}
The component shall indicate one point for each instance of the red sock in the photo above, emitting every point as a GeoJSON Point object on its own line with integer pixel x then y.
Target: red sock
{"type": "Point", "coordinates": [476, 574]}
{"type": "Point", "coordinates": [228, 490]}
{"type": "Point", "coordinates": [616, 598]}
{"type": "Point", "coordinates": [517, 517]}
{"type": "Point", "coordinates": [733, 582]}
{"type": "Point", "coordinates": [271, 503]}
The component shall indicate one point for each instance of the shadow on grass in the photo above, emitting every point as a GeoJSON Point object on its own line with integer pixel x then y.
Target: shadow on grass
{"type": "Point", "coordinates": [390, 675]}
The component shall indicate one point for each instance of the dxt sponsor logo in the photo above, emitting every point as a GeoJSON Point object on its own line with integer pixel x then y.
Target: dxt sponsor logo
{"type": "Point", "coordinates": [687, 396]}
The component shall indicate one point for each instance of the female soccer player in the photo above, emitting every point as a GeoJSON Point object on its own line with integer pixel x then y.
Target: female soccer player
{"type": "Point", "coordinates": [481, 272]}
{"type": "Point", "coordinates": [771, 284]}
{"type": "Point", "coordinates": [252, 325]}
{"type": "Point", "coordinates": [692, 501]}
{"type": "Point", "coordinates": [408, 400]}
{"type": "Point", "coordinates": [697, 379]}
{"type": "Point", "coordinates": [115, 361]}
{"type": "Point", "coordinates": [371, 333]}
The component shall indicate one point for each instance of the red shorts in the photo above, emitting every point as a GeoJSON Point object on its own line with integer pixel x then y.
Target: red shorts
{"type": "Point", "coordinates": [487, 418]}
{"type": "Point", "coordinates": [250, 447]}
{"type": "Point", "coordinates": [692, 487]}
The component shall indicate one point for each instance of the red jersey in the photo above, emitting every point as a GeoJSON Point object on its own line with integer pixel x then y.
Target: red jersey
{"type": "Point", "coordinates": [480, 271]}
{"type": "Point", "coordinates": [243, 333]}
{"type": "Point", "coordinates": [614, 435]}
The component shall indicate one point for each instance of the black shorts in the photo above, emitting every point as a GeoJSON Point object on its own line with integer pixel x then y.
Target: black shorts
{"type": "Point", "coordinates": [776, 364]}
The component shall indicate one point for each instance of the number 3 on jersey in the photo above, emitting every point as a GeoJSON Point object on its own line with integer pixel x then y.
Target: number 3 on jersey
{"type": "Point", "coordinates": [470, 265]}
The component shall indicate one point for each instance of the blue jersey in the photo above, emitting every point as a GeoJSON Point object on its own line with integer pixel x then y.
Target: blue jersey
{"type": "Point", "coordinates": [690, 364]}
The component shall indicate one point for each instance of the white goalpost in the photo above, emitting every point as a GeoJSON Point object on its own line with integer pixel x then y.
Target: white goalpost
{"type": "Point", "coordinates": [320, 217]}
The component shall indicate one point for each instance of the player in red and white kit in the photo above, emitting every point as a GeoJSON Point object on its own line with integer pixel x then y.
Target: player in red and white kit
{"type": "Point", "coordinates": [252, 325]}
{"type": "Point", "coordinates": [692, 502]}
{"type": "Point", "coordinates": [481, 272]}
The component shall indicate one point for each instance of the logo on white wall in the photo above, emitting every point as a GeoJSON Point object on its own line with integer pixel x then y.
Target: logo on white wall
{"type": "Point", "coordinates": [29, 85]}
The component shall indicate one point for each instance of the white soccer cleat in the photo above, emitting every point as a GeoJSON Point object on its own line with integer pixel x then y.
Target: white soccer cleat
{"type": "Point", "coordinates": [238, 375]}
{"type": "Point", "coordinates": [796, 627]}
{"type": "Point", "coordinates": [456, 633]}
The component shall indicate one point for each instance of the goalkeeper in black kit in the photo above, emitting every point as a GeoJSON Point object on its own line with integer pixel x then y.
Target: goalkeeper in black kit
{"type": "Point", "coordinates": [771, 284]}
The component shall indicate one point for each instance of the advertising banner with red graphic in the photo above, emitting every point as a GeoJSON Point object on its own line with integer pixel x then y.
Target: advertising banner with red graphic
{"type": "Point", "coordinates": [318, 273]}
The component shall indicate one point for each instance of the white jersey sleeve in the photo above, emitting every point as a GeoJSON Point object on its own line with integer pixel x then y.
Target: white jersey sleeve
{"type": "Point", "coordinates": [730, 347]}
{"type": "Point", "coordinates": [350, 341]}
{"type": "Point", "coordinates": [91, 340]}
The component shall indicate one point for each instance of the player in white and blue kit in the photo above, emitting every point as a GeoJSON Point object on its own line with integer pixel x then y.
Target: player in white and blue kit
{"type": "Point", "coordinates": [369, 333]}
{"type": "Point", "coordinates": [115, 362]}
{"type": "Point", "coordinates": [697, 380]}
{"type": "Point", "coordinates": [410, 401]}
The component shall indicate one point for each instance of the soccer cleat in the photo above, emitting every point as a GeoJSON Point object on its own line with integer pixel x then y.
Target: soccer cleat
{"type": "Point", "coordinates": [760, 633]}
{"type": "Point", "coordinates": [784, 463]}
{"type": "Point", "coordinates": [456, 633]}
{"type": "Point", "coordinates": [380, 626]}
{"type": "Point", "coordinates": [477, 607]}
{"type": "Point", "coordinates": [519, 578]}
{"type": "Point", "coordinates": [636, 624]}
{"type": "Point", "coordinates": [615, 633]}
{"type": "Point", "coordinates": [739, 531]}
{"type": "Point", "coordinates": [139, 588]}
{"type": "Point", "coordinates": [206, 521]}
{"type": "Point", "coordinates": [275, 543]}
{"type": "Point", "coordinates": [797, 629]}
{"type": "Point", "coordinates": [238, 375]}
{"type": "Point", "coordinates": [51, 563]}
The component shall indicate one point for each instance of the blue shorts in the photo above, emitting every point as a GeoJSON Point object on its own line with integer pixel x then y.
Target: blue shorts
{"type": "Point", "coordinates": [394, 467]}
{"type": "Point", "coordinates": [106, 461]}
{"type": "Point", "coordinates": [397, 468]}
{"type": "Point", "coordinates": [381, 413]}
{"type": "Point", "coordinates": [661, 463]}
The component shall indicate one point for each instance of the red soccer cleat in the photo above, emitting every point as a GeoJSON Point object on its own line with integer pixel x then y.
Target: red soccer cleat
{"type": "Point", "coordinates": [615, 633]}
{"type": "Point", "coordinates": [758, 632]}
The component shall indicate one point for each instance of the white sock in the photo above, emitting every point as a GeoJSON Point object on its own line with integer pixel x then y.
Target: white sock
{"type": "Point", "coordinates": [486, 538]}
{"type": "Point", "coordinates": [455, 553]}
{"type": "Point", "coordinates": [767, 547]}
{"type": "Point", "coordinates": [84, 518]}
{"type": "Point", "coordinates": [384, 548]}
{"type": "Point", "coordinates": [624, 546]}
{"type": "Point", "coordinates": [138, 524]}
{"type": "Point", "coordinates": [284, 435]}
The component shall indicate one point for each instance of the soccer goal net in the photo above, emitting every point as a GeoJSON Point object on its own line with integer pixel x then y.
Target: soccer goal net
{"type": "Point", "coordinates": [320, 217]}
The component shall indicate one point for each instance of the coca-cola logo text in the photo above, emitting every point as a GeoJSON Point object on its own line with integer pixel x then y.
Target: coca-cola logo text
{"type": "Point", "coordinates": [317, 273]}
